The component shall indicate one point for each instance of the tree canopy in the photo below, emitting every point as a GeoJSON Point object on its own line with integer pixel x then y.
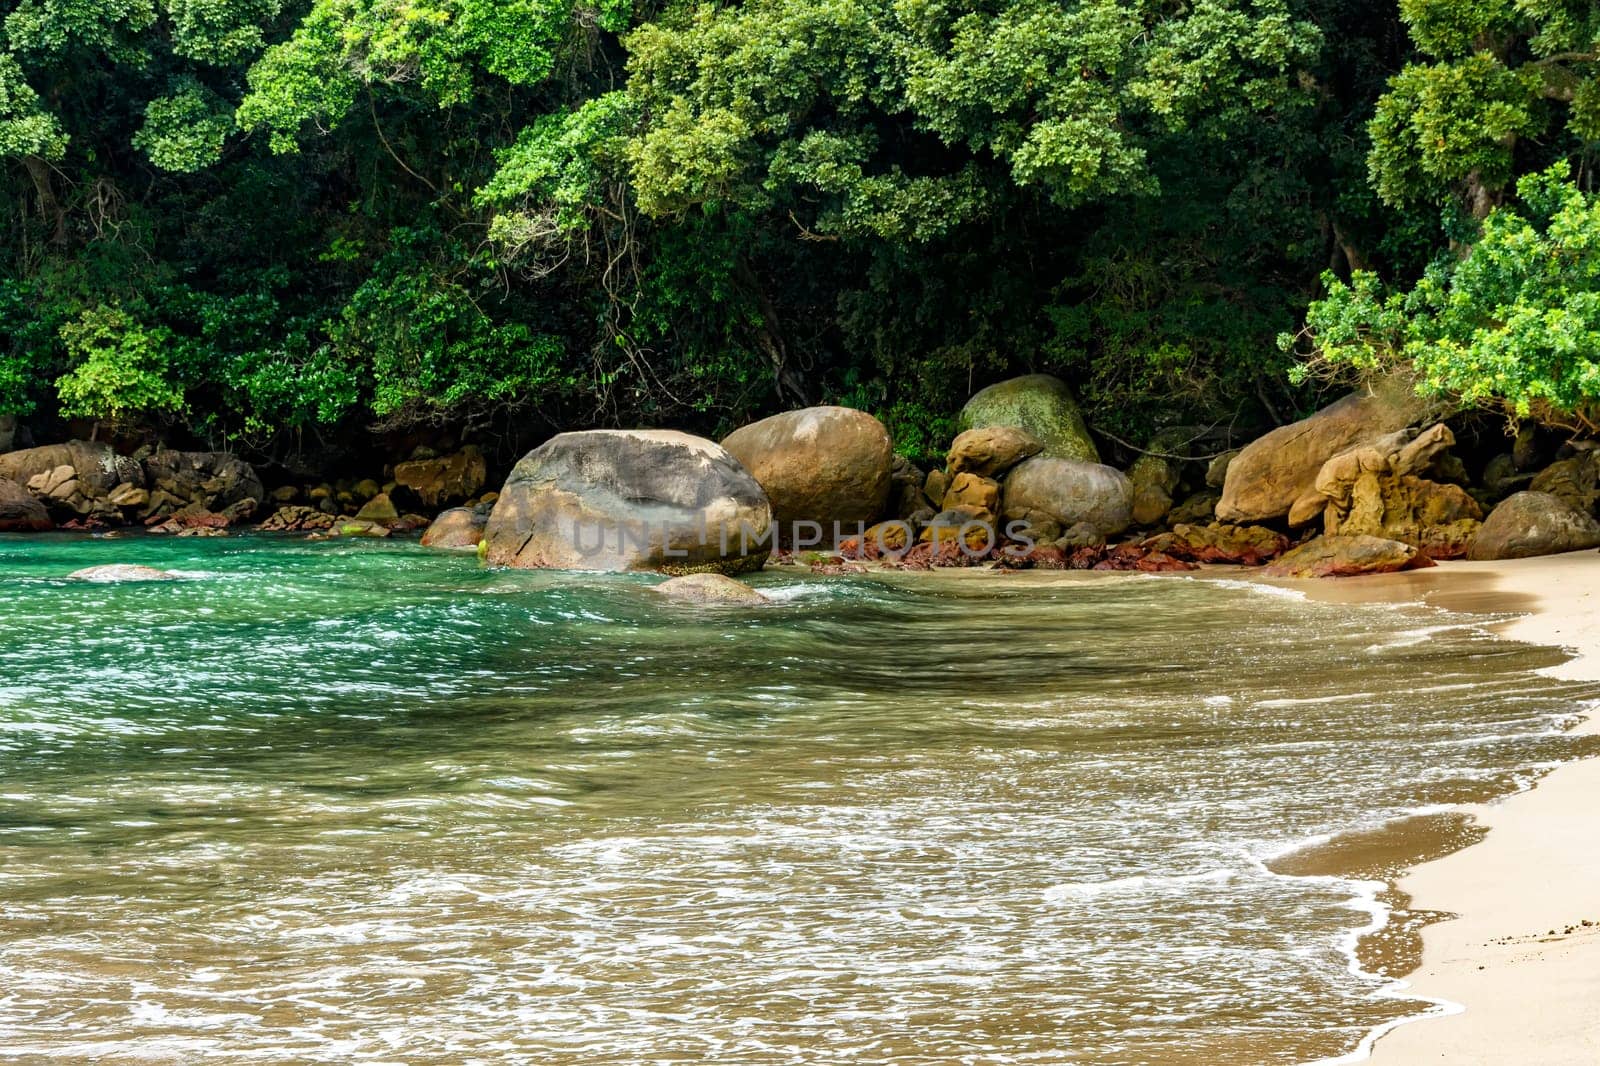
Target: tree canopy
{"type": "Point", "coordinates": [263, 222]}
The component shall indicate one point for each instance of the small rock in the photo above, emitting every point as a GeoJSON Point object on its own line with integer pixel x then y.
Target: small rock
{"type": "Point", "coordinates": [121, 572]}
{"type": "Point", "coordinates": [455, 529]}
{"type": "Point", "coordinates": [378, 509]}
{"type": "Point", "coordinates": [709, 589]}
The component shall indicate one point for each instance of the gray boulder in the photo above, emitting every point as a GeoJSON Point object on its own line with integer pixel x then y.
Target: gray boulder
{"type": "Point", "coordinates": [630, 500]}
{"type": "Point", "coordinates": [1066, 492]}
{"type": "Point", "coordinates": [1534, 523]}
{"type": "Point", "coordinates": [213, 481]}
{"type": "Point", "coordinates": [1041, 405]}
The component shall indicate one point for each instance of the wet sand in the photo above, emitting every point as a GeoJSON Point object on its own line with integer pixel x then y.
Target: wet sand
{"type": "Point", "coordinates": [1518, 970]}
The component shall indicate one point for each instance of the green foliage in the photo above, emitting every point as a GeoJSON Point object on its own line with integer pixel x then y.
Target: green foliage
{"type": "Point", "coordinates": [902, 121]}
{"type": "Point", "coordinates": [1499, 79]}
{"type": "Point", "coordinates": [184, 130]}
{"type": "Point", "coordinates": [25, 127]}
{"type": "Point", "coordinates": [1516, 322]}
{"type": "Point", "coordinates": [119, 367]}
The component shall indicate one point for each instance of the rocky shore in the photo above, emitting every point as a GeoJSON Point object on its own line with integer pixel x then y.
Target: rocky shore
{"type": "Point", "coordinates": [1373, 483]}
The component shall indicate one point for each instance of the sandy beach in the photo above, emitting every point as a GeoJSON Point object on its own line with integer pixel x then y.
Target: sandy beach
{"type": "Point", "coordinates": [1521, 964]}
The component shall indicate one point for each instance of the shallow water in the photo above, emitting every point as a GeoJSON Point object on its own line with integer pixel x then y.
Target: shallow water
{"type": "Point", "coordinates": [359, 802]}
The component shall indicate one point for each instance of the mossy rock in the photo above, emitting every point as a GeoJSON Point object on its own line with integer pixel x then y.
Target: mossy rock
{"type": "Point", "coordinates": [1039, 404]}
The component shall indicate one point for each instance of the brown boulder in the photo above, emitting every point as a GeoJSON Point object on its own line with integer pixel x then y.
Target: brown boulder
{"type": "Point", "coordinates": [1534, 523]}
{"type": "Point", "coordinates": [451, 479]}
{"type": "Point", "coordinates": [19, 511]}
{"type": "Point", "coordinates": [1154, 480]}
{"type": "Point", "coordinates": [456, 528]}
{"type": "Point", "coordinates": [1347, 557]}
{"type": "Point", "coordinates": [976, 495]}
{"type": "Point", "coordinates": [379, 509]}
{"type": "Point", "coordinates": [1373, 490]}
{"type": "Point", "coordinates": [1269, 475]}
{"type": "Point", "coordinates": [989, 451]}
{"type": "Point", "coordinates": [1575, 480]}
{"type": "Point", "coordinates": [818, 464]}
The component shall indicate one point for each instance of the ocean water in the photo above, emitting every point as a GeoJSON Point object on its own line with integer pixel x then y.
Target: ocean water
{"type": "Point", "coordinates": [364, 803]}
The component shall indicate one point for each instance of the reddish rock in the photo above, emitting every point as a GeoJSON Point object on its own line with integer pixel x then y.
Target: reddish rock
{"type": "Point", "coordinates": [1348, 556]}
{"type": "Point", "coordinates": [1220, 543]}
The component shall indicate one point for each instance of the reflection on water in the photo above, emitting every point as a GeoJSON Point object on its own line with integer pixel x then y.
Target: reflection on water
{"type": "Point", "coordinates": [363, 803]}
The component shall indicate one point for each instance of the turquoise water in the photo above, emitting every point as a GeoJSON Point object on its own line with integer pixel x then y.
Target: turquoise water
{"type": "Point", "coordinates": [360, 802]}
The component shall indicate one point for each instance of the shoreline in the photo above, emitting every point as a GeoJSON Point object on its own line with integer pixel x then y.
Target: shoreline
{"type": "Point", "coordinates": [1515, 972]}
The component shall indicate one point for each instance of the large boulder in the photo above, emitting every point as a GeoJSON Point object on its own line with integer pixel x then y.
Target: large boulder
{"type": "Point", "coordinates": [19, 511]}
{"type": "Point", "coordinates": [1039, 404]}
{"type": "Point", "coordinates": [207, 481]}
{"type": "Point", "coordinates": [818, 464]}
{"type": "Point", "coordinates": [989, 451]}
{"type": "Point", "coordinates": [1575, 480]}
{"type": "Point", "coordinates": [75, 479]}
{"type": "Point", "coordinates": [450, 479]}
{"type": "Point", "coordinates": [1374, 490]}
{"type": "Point", "coordinates": [1534, 523]}
{"type": "Point", "coordinates": [459, 527]}
{"type": "Point", "coordinates": [1064, 492]}
{"type": "Point", "coordinates": [1347, 557]}
{"type": "Point", "coordinates": [1266, 479]}
{"type": "Point", "coordinates": [630, 500]}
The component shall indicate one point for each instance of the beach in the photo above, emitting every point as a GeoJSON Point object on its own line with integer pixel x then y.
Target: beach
{"type": "Point", "coordinates": [1518, 971]}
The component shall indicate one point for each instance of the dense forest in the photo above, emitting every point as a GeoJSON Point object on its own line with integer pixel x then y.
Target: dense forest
{"type": "Point", "coordinates": [276, 225]}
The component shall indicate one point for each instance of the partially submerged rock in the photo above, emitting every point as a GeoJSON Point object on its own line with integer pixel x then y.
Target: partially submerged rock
{"type": "Point", "coordinates": [1042, 406]}
{"type": "Point", "coordinates": [1534, 523]}
{"type": "Point", "coordinates": [457, 529]}
{"type": "Point", "coordinates": [1342, 556]}
{"type": "Point", "coordinates": [121, 572]}
{"type": "Point", "coordinates": [818, 464]}
{"type": "Point", "coordinates": [1067, 492]}
{"type": "Point", "coordinates": [630, 500]}
{"type": "Point", "coordinates": [709, 589]}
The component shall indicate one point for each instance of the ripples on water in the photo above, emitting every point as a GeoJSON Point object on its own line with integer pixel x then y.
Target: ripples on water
{"type": "Point", "coordinates": [364, 803]}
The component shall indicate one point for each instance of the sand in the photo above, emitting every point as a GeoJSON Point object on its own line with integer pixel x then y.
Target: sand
{"type": "Point", "coordinates": [1518, 971]}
